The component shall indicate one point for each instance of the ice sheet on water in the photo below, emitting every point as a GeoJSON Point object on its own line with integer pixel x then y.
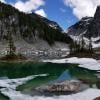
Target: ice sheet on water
{"type": "Point", "coordinates": [88, 63]}
{"type": "Point", "coordinates": [89, 94]}
{"type": "Point", "coordinates": [9, 86]}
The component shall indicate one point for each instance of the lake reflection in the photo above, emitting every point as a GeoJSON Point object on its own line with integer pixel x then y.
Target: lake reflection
{"type": "Point", "coordinates": [56, 72]}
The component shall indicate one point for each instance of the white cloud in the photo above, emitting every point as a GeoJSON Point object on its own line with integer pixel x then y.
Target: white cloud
{"type": "Point", "coordinates": [82, 8]}
{"type": "Point", "coordinates": [41, 12]}
{"type": "Point", "coordinates": [3, 1]}
{"type": "Point", "coordinates": [29, 5]}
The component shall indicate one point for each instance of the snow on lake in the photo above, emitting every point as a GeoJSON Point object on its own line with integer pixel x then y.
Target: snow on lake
{"type": "Point", "coordinates": [88, 63]}
{"type": "Point", "coordinates": [8, 86]}
{"type": "Point", "coordinates": [89, 94]}
{"type": "Point", "coordinates": [9, 89]}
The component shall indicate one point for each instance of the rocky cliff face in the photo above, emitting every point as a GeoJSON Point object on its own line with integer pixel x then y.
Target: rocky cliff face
{"type": "Point", "coordinates": [94, 26]}
{"type": "Point", "coordinates": [80, 27]}
{"type": "Point", "coordinates": [89, 27]}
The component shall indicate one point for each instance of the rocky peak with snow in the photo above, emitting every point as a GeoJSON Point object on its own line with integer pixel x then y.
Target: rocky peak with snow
{"type": "Point", "coordinates": [89, 27]}
{"type": "Point", "coordinates": [97, 14]}
{"type": "Point", "coordinates": [52, 24]}
{"type": "Point", "coordinates": [80, 27]}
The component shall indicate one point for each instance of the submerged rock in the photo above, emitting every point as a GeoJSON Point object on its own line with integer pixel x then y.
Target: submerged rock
{"type": "Point", "coordinates": [68, 86]}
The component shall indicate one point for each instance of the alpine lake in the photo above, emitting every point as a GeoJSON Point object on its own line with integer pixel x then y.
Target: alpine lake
{"type": "Point", "coordinates": [13, 70]}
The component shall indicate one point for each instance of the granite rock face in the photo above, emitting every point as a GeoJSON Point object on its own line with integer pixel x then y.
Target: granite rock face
{"type": "Point", "coordinates": [94, 27]}
{"type": "Point", "coordinates": [88, 26]}
{"type": "Point", "coordinates": [80, 27]}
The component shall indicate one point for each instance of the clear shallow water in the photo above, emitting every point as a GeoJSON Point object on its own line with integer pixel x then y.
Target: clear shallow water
{"type": "Point", "coordinates": [20, 70]}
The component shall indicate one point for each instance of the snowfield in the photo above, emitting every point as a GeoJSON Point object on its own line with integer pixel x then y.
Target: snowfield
{"type": "Point", "coordinates": [88, 63]}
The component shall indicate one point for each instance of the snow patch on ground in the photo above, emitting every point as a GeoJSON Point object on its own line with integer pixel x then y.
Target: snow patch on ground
{"type": "Point", "coordinates": [88, 63]}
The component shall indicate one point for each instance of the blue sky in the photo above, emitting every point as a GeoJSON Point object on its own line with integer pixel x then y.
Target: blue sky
{"type": "Point", "coordinates": [64, 12]}
{"type": "Point", "coordinates": [57, 11]}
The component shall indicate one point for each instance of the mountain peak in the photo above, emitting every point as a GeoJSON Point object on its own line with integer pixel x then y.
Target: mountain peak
{"type": "Point", "coordinates": [89, 27]}
{"type": "Point", "coordinates": [97, 13]}
{"type": "Point", "coordinates": [98, 7]}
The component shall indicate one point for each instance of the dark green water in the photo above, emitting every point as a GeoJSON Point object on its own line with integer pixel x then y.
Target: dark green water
{"type": "Point", "coordinates": [2, 97]}
{"type": "Point", "coordinates": [19, 70]}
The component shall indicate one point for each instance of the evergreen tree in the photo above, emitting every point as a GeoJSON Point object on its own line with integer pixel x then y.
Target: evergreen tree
{"type": "Point", "coordinates": [12, 48]}
{"type": "Point", "coordinates": [90, 45]}
{"type": "Point", "coordinates": [82, 44]}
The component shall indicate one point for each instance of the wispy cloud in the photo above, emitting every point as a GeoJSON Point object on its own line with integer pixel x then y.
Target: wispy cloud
{"type": "Point", "coordinates": [63, 10]}
{"type": "Point", "coordinates": [82, 8]}
{"type": "Point", "coordinates": [3, 1]}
